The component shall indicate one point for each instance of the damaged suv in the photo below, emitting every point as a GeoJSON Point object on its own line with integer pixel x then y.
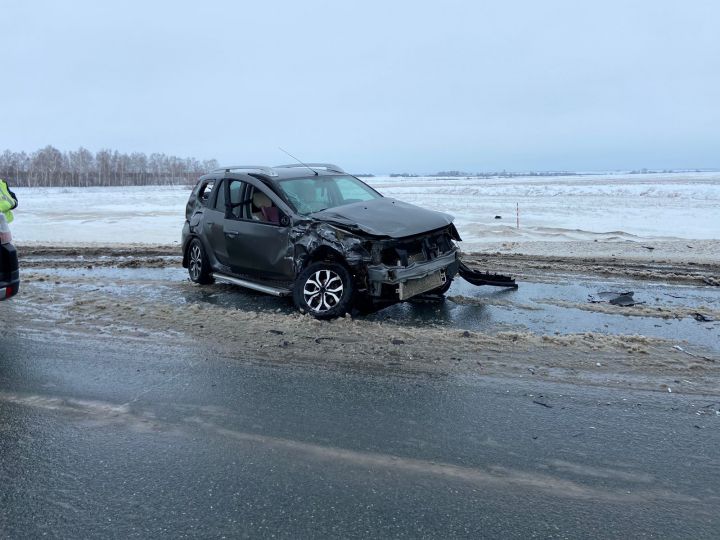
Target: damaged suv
{"type": "Point", "coordinates": [317, 233]}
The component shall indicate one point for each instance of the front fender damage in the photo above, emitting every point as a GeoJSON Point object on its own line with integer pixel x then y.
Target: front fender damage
{"type": "Point", "coordinates": [383, 266]}
{"type": "Point", "coordinates": [314, 240]}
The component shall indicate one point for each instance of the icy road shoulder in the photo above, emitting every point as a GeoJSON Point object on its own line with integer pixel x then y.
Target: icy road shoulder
{"type": "Point", "coordinates": [541, 331]}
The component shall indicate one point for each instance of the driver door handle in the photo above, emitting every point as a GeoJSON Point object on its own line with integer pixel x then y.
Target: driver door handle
{"type": "Point", "coordinates": [231, 233]}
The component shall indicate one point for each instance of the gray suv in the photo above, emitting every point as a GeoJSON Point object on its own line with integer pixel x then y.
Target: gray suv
{"type": "Point", "coordinates": [316, 233]}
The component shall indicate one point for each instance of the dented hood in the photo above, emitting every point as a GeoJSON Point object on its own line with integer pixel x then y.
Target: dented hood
{"type": "Point", "coordinates": [385, 217]}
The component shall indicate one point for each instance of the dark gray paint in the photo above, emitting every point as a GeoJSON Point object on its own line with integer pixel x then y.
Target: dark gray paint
{"type": "Point", "coordinates": [385, 217]}
{"type": "Point", "coordinates": [354, 233]}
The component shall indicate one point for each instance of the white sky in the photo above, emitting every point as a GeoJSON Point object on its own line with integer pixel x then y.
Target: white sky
{"type": "Point", "coordinates": [374, 86]}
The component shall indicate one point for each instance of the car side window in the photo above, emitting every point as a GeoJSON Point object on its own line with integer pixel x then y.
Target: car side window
{"type": "Point", "coordinates": [262, 208]}
{"type": "Point", "coordinates": [237, 204]}
{"type": "Point", "coordinates": [248, 202]}
{"type": "Point", "coordinates": [220, 199]}
{"type": "Point", "coordinates": [206, 191]}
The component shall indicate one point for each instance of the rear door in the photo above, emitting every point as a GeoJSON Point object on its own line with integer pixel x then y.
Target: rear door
{"type": "Point", "coordinates": [214, 222]}
{"type": "Point", "coordinates": [204, 218]}
{"type": "Point", "coordinates": [257, 244]}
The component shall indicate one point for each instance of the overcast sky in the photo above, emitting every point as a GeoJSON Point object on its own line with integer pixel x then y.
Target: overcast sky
{"type": "Point", "coordinates": [376, 86]}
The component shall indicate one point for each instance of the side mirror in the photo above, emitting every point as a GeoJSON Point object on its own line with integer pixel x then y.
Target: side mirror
{"type": "Point", "coordinates": [284, 221]}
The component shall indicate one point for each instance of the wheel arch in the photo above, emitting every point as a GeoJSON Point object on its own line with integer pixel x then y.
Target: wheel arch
{"type": "Point", "coordinates": [324, 253]}
{"type": "Point", "coordinates": [186, 249]}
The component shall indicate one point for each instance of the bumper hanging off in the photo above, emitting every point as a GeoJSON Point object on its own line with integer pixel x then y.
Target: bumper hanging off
{"type": "Point", "coordinates": [485, 278]}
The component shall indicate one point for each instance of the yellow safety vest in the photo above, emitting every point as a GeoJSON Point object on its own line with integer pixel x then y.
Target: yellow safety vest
{"type": "Point", "coordinates": [7, 201]}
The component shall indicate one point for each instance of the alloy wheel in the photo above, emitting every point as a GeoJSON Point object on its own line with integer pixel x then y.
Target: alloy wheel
{"type": "Point", "coordinates": [323, 290]}
{"type": "Point", "coordinates": [195, 266]}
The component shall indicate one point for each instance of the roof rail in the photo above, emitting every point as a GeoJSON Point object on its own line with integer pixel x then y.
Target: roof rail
{"type": "Point", "coordinates": [326, 166]}
{"type": "Point", "coordinates": [264, 169]}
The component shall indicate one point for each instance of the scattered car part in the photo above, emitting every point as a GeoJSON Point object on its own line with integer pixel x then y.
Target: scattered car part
{"type": "Point", "coordinates": [485, 278]}
{"type": "Point", "coordinates": [623, 299]}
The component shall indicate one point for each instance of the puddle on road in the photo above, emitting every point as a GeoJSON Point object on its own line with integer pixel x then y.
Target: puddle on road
{"type": "Point", "coordinates": [523, 308]}
{"type": "Point", "coordinates": [486, 309]}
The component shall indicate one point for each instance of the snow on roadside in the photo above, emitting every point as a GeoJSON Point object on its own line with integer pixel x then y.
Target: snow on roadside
{"type": "Point", "coordinates": [609, 208]}
{"type": "Point", "coordinates": [100, 215]}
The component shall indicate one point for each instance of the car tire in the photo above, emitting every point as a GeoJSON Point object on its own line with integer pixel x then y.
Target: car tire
{"type": "Point", "coordinates": [325, 290]}
{"type": "Point", "coordinates": [198, 264]}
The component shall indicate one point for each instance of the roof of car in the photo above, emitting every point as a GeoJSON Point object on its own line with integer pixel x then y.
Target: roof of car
{"type": "Point", "coordinates": [282, 172]}
{"type": "Point", "coordinates": [287, 172]}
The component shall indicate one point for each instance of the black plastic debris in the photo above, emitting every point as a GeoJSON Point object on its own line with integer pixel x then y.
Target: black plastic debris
{"type": "Point", "coordinates": [623, 299]}
{"type": "Point", "coordinates": [536, 402]}
{"type": "Point", "coordinates": [702, 318]}
{"type": "Point", "coordinates": [478, 278]}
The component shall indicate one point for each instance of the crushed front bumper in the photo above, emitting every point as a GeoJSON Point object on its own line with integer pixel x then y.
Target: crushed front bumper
{"type": "Point", "coordinates": [415, 278]}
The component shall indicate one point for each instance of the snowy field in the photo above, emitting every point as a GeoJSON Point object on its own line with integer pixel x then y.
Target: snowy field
{"type": "Point", "coordinates": [572, 208]}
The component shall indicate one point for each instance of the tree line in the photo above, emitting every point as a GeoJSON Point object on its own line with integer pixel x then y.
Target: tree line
{"type": "Point", "coordinates": [81, 168]}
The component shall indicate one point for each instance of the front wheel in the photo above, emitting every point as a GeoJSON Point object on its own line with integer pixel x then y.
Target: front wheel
{"type": "Point", "coordinates": [198, 265]}
{"type": "Point", "coordinates": [325, 290]}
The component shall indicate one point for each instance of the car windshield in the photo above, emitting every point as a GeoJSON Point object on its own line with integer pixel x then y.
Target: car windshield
{"type": "Point", "coordinates": [316, 193]}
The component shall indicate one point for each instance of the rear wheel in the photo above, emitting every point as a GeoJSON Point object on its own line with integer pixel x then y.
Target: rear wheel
{"type": "Point", "coordinates": [325, 290]}
{"type": "Point", "coordinates": [198, 265]}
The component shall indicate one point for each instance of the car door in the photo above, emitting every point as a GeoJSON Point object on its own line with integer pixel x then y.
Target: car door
{"type": "Point", "coordinates": [214, 222]}
{"type": "Point", "coordinates": [257, 246]}
{"type": "Point", "coordinates": [206, 220]}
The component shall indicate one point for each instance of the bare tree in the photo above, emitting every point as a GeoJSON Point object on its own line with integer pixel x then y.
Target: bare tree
{"type": "Point", "coordinates": [51, 167]}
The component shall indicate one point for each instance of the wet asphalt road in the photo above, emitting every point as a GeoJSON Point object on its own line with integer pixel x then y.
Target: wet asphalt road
{"type": "Point", "coordinates": [135, 439]}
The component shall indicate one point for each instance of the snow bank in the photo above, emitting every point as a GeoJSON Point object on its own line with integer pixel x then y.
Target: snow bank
{"type": "Point", "coordinates": [559, 209]}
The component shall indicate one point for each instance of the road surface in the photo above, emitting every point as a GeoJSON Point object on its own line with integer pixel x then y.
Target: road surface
{"type": "Point", "coordinates": [145, 437]}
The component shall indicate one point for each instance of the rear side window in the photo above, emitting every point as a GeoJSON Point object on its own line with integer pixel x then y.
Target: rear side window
{"type": "Point", "coordinates": [206, 191]}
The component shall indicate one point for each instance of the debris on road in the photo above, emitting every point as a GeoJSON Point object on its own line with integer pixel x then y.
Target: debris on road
{"type": "Point", "coordinates": [679, 348]}
{"type": "Point", "coordinates": [543, 404]}
{"type": "Point", "coordinates": [623, 299]}
{"type": "Point", "coordinates": [478, 278]}
{"type": "Point", "coordinates": [702, 318]}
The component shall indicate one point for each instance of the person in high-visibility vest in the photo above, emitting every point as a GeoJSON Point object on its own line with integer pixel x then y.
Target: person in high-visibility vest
{"type": "Point", "coordinates": [8, 201]}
